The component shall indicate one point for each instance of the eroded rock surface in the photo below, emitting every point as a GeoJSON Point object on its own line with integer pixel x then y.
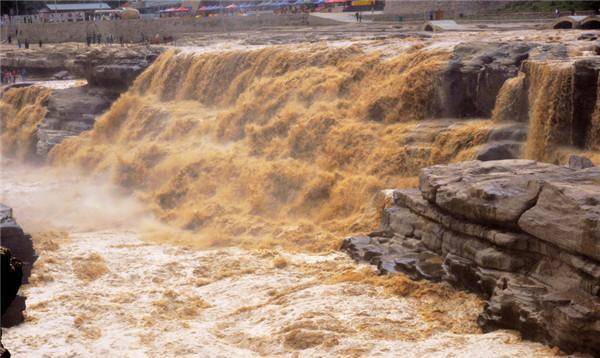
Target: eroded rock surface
{"type": "Point", "coordinates": [478, 70]}
{"type": "Point", "coordinates": [12, 274]}
{"type": "Point", "coordinates": [16, 260]}
{"type": "Point", "coordinates": [108, 71]}
{"type": "Point", "coordinates": [525, 235]}
{"type": "Point", "coordinates": [19, 243]}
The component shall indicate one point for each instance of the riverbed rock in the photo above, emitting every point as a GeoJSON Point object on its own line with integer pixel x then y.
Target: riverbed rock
{"type": "Point", "coordinates": [4, 353]}
{"type": "Point", "coordinates": [522, 234]}
{"type": "Point", "coordinates": [579, 162]}
{"type": "Point", "coordinates": [17, 256]}
{"type": "Point", "coordinates": [107, 66]}
{"type": "Point", "coordinates": [113, 67]}
{"type": "Point", "coordinates": [109, 71]}
{"type": "Point", "coordinates": [18, 242]}
{"type": "Point", "coordinates": [500, 150]}
{"type": "Point", "coordinates": [477, 71]}
{"type": "Point", "coordinates": [12, 274]}
{"type": "Point", "coordinates": [70, 112]}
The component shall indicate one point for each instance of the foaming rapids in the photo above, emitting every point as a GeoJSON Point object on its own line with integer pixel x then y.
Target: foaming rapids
{"type": "Point", "coordinates": [551, 112]}
{"type": "Point", "coordinates": [271, 147]}
{"type": "Point", "coordinates": [21, 110]}
{"type": "Point", "coordinates": [272, 156]}
{"type": "Point", "coordinates": [46, 199]}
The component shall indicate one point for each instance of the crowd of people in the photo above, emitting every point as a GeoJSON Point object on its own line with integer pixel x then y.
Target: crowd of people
{"type": "Point", "coordinates": [13, 76]}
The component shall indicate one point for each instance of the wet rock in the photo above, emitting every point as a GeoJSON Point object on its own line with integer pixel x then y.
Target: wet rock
{"type": "Point", "coordinates": [62, 75]}
{"type": "Point", "coordinates": [113, 67]}
{"type": "Point", "coordinates": [19, 243]}
{"type": "Point", "coordinates": [4, 353]}
{"type": "Point", "coordinates": [577, 162]}
{"type": "Point", "coordinates": [18, 256]}
{"type": "Point", "coordinates": [567, 214]}
{"type": "Point", "coordinates": [499, 151]}
{"type": "Point", "coordinates": [495, 192]}
{"type": "Point", "coordinates": [478, 70]}
{"type": "Point", "coordinates": [589, 36]}
{"type": "Point", "coordinates": [516, 132]}
{"type": "Point", "coordinates": [523, 235]}
{"type": "Point", "coordinates": [12, 275]}
{"type": "Point", "coordinates": [70, 112]}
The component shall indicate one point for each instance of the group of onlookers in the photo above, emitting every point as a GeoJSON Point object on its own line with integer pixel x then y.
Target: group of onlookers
{"type": "Point", "coordinates": [13, 76]}
{"type": "Point", "coordinates": [73, 16]}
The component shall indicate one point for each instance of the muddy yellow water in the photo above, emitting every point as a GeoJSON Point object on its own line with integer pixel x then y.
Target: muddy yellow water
{"type": "Point", "coordinates": [273, 147]}
{"type": "Point", "coordinates": [202, 214]}
{"type": "Point", "coordinates": [97, 289]}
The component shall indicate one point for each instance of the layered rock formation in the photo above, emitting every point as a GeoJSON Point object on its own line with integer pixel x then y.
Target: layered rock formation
{"type": "Point", "coordinates": [512, 83]}
{"type": "Point", "coordinates": [107, 66]}
{"type": "Point", "coordinates": [525, 235]}
{"type": "Point", "coordinates": [477, 71]}
{"type": "Point", "coordinates": [108, 71]}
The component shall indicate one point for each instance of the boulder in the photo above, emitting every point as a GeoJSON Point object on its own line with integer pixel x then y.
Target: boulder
{"type": "Point", "coordinates": [499, 150]}
{"type": "Point", "coordinates": [62, 75]}
{"type": "Point", "coordinates": [494, 192]}
{"type": "Point", "coordinates": [12, 275]}
{"type": "Point", "coordinates": [578, 162]}
{"type": "Point", "coordinates": [524, 235]}
{"type": "Point", "coordinates": [4, 353]}
{"type": "Point", "coordinates": [567, 214]}
{"type": "Point", "coordinates": [18, 256]}
{"type": "Point", "coordinates": [19, 243]}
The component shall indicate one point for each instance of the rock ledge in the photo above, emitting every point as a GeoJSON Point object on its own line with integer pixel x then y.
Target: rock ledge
{"type": "Point", "coordinates": [522, 234]}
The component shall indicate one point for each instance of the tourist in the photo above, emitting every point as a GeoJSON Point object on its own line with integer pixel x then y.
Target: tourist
{"type": "Point", "coordinates": [556, 12]}
{"type": "Point", "coordinates": [9, 39]}
{"type": "Point", "coordinates": [356, 15]}
{"type": "Point", "coordinates": [19, 42]}
{"type": "Point", "coordinates": [40, 43]}
{"type": "Point", "coordinates": [24, 74]}
{"type": "Point", "coordinates": [27, 44]}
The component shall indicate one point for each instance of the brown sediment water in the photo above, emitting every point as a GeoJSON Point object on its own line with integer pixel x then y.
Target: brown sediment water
{"type": "Point", "coordinates": [277, 146]}
{"type": "Point", "coordinates": [550, 110]}
{"type": "Point", "coordinates": [97, 289]}
{"type": "Point", "coordinates": [511, 102]}
{"type": "Point", "coordinates": [593, 140]}
{"type": "Point", "coordinates": [21, 110]}
{"type": "Point", "coordinates": [266, 159]}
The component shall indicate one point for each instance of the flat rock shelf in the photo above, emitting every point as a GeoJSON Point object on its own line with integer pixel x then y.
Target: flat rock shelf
{"type": "Point", "coordinates": [524, 235]}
